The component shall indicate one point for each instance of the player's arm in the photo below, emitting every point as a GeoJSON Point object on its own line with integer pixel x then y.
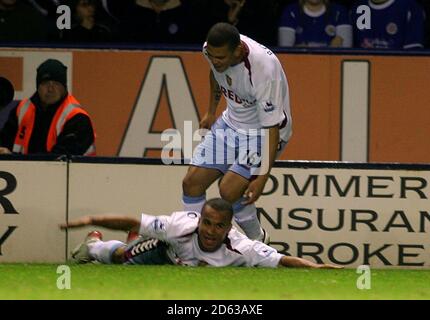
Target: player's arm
{"type": "Point", "coordinates": [273, 141]}
{"type": "Point", "coordinates": [214, 98]}
{"type": "Point", "coordinates": [295, 262]}
{"type": "Point", "coordinates": [215, 94]}
{"type": "Point", "coordinates": [255, 187]}
{"type": "Point", "coordinates": [105, 221]}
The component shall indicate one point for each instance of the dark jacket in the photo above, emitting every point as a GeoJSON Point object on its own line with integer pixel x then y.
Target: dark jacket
{"type": "Point", "coordinates": [76, 137]}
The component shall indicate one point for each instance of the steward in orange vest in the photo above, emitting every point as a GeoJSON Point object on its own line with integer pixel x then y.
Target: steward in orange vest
{"type": "Point", "coordinates": [51, 121]}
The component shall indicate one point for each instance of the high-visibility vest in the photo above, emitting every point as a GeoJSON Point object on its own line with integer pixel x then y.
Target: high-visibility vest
{"type": "Point", "coordinates": [26, 113]}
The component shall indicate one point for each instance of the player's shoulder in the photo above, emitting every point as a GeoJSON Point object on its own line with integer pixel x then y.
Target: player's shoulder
{"type": "Point", "coordinates": [183, 223]}
{"type": "Point", "coordinates": [239, 241]}
{"type": "Point", "coordinates": [263, 61]}
{"type": "Point", "coordinates": [250, 249]}
{"type": "Point", "coordinates": [185, 215]}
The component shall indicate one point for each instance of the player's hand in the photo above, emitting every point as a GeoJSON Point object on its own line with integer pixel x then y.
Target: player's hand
{"type": "Point", "coordinates": [4, 150]}
{"type": "Point", "coordinates": [84, 221]}
{"type": "Point", "coordinates": [254, 190]}
{"type": "Point", "coordinates": [207, 121]}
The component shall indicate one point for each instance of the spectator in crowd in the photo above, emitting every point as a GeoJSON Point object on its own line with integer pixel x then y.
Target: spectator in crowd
{"type": "Point", "coordinates": [156, 21]}
{"type": "Point", "coordinates": [183, 238]}
{"type": "Point", "coordinates": [51, 121]}
{"type": "Point", "coordinates": [87, 28]}
{"type": "Point", "coordinates": [20, 22]}
{"type": "Point", "coordinates": [254, 18]}
{"type": "Point", "coordinates": [315, 23]}
{"type": "Point", "coordinates": [395, 24]}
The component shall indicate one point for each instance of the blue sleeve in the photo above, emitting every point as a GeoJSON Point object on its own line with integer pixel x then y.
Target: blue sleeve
{"type": "Point", "coordinates": [289, 17]}
{"type": "Point", "coordinates": [415, 18]}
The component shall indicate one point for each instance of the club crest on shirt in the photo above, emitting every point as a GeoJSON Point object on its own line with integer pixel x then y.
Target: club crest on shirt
{"type": "Point", "coordinates": [269, 107]}
{"type": "Point", "coordinates": [392, 28]}
{"type": "Point", "coordinates": [229, 81]}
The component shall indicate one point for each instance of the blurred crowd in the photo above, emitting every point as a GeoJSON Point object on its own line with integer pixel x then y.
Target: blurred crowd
{"type": "Point", "coordinates": [395, 24]}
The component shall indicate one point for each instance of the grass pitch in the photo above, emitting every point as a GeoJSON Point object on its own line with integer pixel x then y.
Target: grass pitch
{"type": "Point", "coordinates": [39, 281]}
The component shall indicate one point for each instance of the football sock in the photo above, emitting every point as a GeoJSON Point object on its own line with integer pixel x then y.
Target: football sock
{"type": "Point", "coordinates": [102, 250]}
{"type": "Point", "coordinates": [246, 217]}
{"type": "Point", "coordinates": [193, 203]}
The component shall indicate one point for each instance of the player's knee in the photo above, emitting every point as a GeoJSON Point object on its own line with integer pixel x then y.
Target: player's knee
{"type": "Point", "coordinates": [190, 187]}
{"type": "Point", "coordinates": [187, 184]}
{"type": "Point", "coordinates": [228, 193]}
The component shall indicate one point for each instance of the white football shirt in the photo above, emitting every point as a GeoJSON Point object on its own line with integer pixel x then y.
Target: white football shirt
{"type": "Point", "coordinates": [179, 231]}
{"type": "Point", "coordinates": [256, 90]}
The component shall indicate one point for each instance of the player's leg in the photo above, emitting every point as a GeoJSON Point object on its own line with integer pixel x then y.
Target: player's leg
{"type": "Point", "coordinates": [194, 186]}
{"type": "Point", "coordinates": [232, 187]}
{"type": "Point", "coordinates": [139, 251]}
{"type": "Point", "coordinates": [246, 216]}
{"type": "Point", "coordinates": [145, 251]}
{"type": "Point", "coordinates": [94, 249]}
{"type": "Point", "coordinates": [237, 179]}
{"type": "Point", "coordinates": [205, 168]}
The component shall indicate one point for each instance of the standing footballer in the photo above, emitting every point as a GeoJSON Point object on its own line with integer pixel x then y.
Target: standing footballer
{"type": "Point", "coordinates": [255, 87]}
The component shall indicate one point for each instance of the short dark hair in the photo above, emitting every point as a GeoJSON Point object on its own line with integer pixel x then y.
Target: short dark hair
{"type": "Point", "coordinates": [220, 205]}
{"type": "Point", "coordinates": [222, 34]}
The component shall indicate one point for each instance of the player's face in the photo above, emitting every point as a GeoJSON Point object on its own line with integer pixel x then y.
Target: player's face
{"type": "Point", "coordinates": [213, 229]}
{"type": "Point", "coordinates": [51, 92]}
{"type": "Point", "coordinates": [221, 57]}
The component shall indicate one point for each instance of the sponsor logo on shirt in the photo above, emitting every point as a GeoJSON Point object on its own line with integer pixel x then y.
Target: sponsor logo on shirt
{"type": "Point", "coordinates": [268, 106]}
{"type": "Point", "coordinates": [231, 95]}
